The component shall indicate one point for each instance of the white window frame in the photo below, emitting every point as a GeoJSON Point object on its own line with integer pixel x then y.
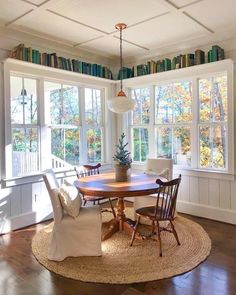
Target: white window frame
{"type": "Point", "coordinates": [192, 73]}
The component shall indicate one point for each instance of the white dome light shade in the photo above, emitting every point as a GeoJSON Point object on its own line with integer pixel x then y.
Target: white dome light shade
{"type": "Point", "coordinates": [121, 103]}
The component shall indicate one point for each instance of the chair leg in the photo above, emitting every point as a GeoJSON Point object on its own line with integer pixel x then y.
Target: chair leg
{"type": "Point", "coordinates": [85, 201]}
{"type": "Point", "coordinates": [153, 227]}
{"type": "Point", "coordinates": [112, 208]}
{"type": "Point", "coordinates": [134, 231]}
{"type": "Point", "coordinates": [175, 233]}
{"type": "Point", "coordinates": [159, 238]}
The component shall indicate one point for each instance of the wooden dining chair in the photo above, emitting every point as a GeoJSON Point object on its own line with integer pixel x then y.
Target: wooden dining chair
{"type": "Point", "coordinates": [88, 170]}
{"type": "Point", "coordinates": [163, 210]}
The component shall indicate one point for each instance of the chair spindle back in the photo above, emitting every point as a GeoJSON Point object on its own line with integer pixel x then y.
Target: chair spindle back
{"type": "Point", "coordinates": [166, 198]}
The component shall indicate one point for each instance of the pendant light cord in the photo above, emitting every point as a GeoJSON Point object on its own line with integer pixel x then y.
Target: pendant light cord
{"type": "Point", "coordinates": [121, 65]}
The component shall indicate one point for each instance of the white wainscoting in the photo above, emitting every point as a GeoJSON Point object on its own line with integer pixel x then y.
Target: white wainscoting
{"type": "Point", "coordinates": [208, 197]}
{"type": "Point", "coordinates": [205, 194]}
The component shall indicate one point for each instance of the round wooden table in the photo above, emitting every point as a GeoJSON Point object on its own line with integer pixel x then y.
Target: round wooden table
{"type": "Point", "coordinates": [104, 185]}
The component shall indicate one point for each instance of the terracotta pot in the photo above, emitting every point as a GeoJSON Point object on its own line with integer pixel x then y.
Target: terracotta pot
{"type": "Point", "coordinates": [122, 172]}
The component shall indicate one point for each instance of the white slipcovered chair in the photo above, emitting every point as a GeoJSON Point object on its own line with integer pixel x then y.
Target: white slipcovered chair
{"type": "Point", "coordinates": [80, 236]}
{"type": "Point", "coordinates": [157, 166]}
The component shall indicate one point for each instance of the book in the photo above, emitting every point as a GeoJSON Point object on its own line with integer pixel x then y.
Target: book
{"type": "Point", "coordinates": [199, 57]}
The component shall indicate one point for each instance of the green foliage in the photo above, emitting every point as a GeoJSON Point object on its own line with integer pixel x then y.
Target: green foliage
{"type": "Point", "coordinates": [122, 155]}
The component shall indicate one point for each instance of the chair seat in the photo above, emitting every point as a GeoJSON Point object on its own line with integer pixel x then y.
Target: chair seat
{"type": "Point", "coordinates": [149, 212]}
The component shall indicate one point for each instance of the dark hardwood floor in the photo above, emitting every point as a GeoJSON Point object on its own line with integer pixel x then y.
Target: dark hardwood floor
{"type": "Point", "coordinates": [21, 274]}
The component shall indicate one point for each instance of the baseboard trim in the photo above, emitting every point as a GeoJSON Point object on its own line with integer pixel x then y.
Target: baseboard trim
{"type": "Point", "coordinates": [219, 214]}
{"type": "Point", "coordinates": [16, 222]}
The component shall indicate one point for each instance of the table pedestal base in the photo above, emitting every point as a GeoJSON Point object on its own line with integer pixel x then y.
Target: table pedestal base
{"type": "Point", "coordinates": [120, 223]}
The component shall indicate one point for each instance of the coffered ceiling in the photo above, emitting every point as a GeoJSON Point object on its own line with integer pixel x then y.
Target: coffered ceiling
{"type": "Point", "coordinates": [154, 26]}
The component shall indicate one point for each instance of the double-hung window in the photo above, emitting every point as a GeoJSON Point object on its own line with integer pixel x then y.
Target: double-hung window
{"type": "Point", "coordinates": [64, 120]}
{"type": "Point", "coordinates": [173, 121]}
{"type": "Point", "coordinates": [140, 120]}
{"type": "Point", "coordinates": [25, 131]}
{"type": "Point", "coordinates": [212, 122]}
{"type": "Point", "coordinates": [93, 124]}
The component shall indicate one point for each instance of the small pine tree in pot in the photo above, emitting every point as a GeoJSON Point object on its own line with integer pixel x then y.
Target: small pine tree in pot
{"type": "Point", "coordinates": [123, 160]}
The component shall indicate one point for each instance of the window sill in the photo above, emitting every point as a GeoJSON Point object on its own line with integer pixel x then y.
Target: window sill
{"type": "Point", "coordinates": [193, 172]}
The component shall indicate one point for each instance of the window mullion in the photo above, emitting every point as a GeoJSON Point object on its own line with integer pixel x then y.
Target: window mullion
{"type": "Point", "coordinates": [83, 134]}
{"type": "Point", "coordinates": [195, 126]}
{"type": "Point", "coordinates": [151, 132]}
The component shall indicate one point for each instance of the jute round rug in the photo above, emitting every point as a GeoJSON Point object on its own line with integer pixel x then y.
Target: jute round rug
{"type": "Point", "coordinates": [122, 264]}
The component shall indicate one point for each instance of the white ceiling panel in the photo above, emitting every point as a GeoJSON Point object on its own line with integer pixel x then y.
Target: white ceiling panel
{"type": "Point", "coordinates": [214, 14]}
{"type": "Point", "coordinates": [104, 14]}
{"type": "Point", "coordinates": [110, 47]}
{"type": "Point", "coordinates": [56, 26]}
{"type": "Point", "coordinates": [11, 9]}
{"type": "Point", "coordinates": [169, 29]}
{"type": "Point", "coordinates": [181, 3]}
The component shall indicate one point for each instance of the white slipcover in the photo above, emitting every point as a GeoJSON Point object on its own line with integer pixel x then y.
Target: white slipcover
{"type": "Point", "coordinates": [80, 236]}
{"type": "Point", "coordinates": [153, 166]}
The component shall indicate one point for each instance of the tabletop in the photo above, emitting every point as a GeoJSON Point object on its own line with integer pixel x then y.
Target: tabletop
{"type": "Point", "coordinates": [104, 185]}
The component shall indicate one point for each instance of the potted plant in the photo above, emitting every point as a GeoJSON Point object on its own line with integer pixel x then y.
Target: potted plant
{"type": "Point", "coordinates": [123, 160]}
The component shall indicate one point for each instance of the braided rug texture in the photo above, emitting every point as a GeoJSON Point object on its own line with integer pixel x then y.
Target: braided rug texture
{"type": "Point", "coordinates": [122, 264]}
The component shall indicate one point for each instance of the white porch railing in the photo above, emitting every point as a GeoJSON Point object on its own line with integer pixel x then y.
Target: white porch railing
{"type": "Point", "coordinates": [58, 163]}
{"type": "Point", "coordinates": [27, 162]}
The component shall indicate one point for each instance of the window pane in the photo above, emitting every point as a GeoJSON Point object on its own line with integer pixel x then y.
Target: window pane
{"type": "Point", "coordinates": [93, 107]}
{"type": "Point", "coordinates": [23, 101]}
{"type": "Point", "coordinates": [219, 147]}
{"type": "Point", "coordinates": [213, 99]}
{"type": "Point", "coordinates": [140, 114]}
{"type": "Point", "coordinates": [72, 140]}
{"type": "Point", "coordinates": [219, 96]}
{"type": "Point", "coordinates": [71, 105]}
{"type": "Point", "coordinates": [181, 146]}
{"type": "Point", "coordinates": [212, 147]}
{"type": "Point", "coordinates": [57, 143]}
{"type": "Point", "coordinates": [182, 100]}
{"type": "Point", "coordinates": [139, 137]}
{"type": "Point", "coordinates": [53, 93]}
{"type": "Point", "coordinates": [205, 146]}
{"type": "Point", "coordinates": [25, 150]}
{"type": "Point", "coordinates": [94, 145]}
{"type": "Point", "coordinates": [205, 100]}
{"type": "Point", "coordinates": [16, 105]}
{"type": "Point", "coordinates": [164, 142]}
{"type": "Point", "coordinates": [30, 101]}
{"type": "Point", "coordinates": [163, 104]}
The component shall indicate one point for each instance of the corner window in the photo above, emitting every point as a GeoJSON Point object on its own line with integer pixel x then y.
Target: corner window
{"type": "Point", "coordinates": [189, 122]}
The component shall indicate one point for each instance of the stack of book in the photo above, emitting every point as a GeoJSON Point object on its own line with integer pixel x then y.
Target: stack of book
{"type": "Point", "coordinates": [215, 53]}
{"type": "Point", "coordinates": [52, 60]}
{"type": "Point", "coordinates": [182, 61]}
{"type": "Point", "coordinates": [124, 73]}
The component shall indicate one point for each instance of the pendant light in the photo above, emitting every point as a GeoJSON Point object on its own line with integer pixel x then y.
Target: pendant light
{"type": "Point", "coordinates": [121, 103]}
